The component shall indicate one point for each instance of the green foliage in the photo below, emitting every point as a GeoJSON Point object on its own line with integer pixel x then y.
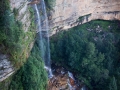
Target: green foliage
{"type": "Point", "coordinates": [90, 50]}
{"type": "Point", "coordinates": [15, 11]}
{"type": "Point", "coordinates": [12, 35]}
{"type": "Point", "coordinates": [4, 85]}
{"type": "Point", "coordinates": [50, 3]}
{"type": "Point", "coordinates": [2, 37]}
{"type": "Point", "coordinates": [32, 76]}
{"type": "Point", "coordinates": [113, 85]}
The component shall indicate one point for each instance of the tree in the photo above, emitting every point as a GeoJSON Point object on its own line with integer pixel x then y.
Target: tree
{"type": "Point", "coordinates": [91, 52]}
{"type": "Point", "coordinates": [32, 76]}
{"type": "Point", "coordinates": [113, 85]}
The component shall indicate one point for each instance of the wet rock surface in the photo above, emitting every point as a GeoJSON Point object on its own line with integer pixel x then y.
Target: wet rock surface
{"type": "Point", "coordinates": [6, 68]}
{"type": "Point", "coordinates": [63, 80]}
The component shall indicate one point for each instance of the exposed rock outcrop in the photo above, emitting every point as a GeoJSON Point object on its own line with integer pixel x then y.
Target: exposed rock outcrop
{"type": "Point", "coordinates": [65, 13]}
{"type": "Point", "coordinates": [23, 15]}
{"type": "Point", "coordinates": [34, 2]}
{"type": "Point", "coordinates": [6, 68]}
{"type": "Point", "coordinates": [64, 80]}
{"type": "Point", "coordinates": [22, 11]}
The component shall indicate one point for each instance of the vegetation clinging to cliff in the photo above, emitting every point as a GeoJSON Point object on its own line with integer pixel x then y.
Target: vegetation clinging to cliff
{"type": "Point", "coordinates": [32, 76]}
{"type": "Point", "coordinates": [13, 39]}
{"type": "Point", "coordinates": [50, 3]}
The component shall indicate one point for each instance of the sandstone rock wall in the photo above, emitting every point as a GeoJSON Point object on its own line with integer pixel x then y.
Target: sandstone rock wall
{"type": "Point", "coordinates": [65, 13]}
{"type": "Point", "coordinates": [23, 15]}
{"type": "Point", "coordinates": [6, 68]}
{"type": "Point", "coordinates": [23, 12]}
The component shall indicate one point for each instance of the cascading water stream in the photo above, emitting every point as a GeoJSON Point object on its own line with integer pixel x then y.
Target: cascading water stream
{"type": "Point", "coordinates": [44, 39]}
{"type": "Point", "coordinates": [39, 30]}
{"type": "Point", "coordinates": [46, 27]}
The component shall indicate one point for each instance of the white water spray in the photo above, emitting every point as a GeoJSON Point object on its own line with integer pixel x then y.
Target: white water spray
{"type": "Point", "coordinates": [69, 84]}
{"type": "Point", "coordinates": [44, 39]}
{"type": "Point", "coordinates": [40, 33]}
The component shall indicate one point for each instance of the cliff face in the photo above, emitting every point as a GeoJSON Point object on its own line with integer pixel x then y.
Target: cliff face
{"type": "Point", "coordinates": [6, 68]}
{"type": "Point", "coordinates": [23, 12]}
{"type": "Point", "coordinates": [22, 15]}
{"type": "Point", "coordinates": [65, 13]}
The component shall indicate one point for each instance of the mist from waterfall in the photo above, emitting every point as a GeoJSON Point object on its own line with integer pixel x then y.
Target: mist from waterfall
{"type": "Point", "coordinates": [44, 37]}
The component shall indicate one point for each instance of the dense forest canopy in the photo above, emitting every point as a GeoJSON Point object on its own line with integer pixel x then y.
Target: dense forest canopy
{"type": "Point", "coordinates": [32, 76]}
{"type": "Point", "coordinates": [91, 51]}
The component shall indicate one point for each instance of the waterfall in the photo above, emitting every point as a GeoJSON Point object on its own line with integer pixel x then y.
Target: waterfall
{"type": "Point", "coordinates": [39, 30]}
{"type": "Point", "coordinates": [44, 38]}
